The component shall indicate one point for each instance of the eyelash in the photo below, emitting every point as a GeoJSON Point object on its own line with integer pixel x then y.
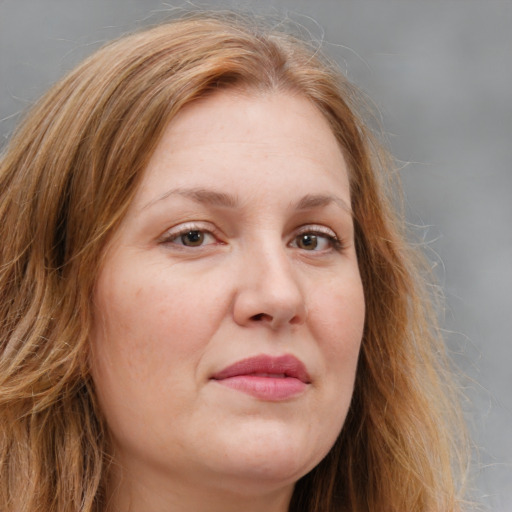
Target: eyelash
{"type": "Point", "coordinates": [320, 231]}
{"type": "Point", "coordinates": [170, 237]}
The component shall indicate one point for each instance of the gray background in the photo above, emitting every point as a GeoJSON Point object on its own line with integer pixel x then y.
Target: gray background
{"type": "Point", "coordinates": [440, 73]}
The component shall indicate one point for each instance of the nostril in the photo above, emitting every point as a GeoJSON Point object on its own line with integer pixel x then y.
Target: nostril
{"type": "Point", "coordinates": [259, 317]}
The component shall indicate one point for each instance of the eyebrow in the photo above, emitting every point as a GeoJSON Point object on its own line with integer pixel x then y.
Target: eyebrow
{"type": "Point", "coordinates": [311, 201]}
{"type": "Point", "coordinates": [225, 200]}
{"type": "Point", "coordinates": [200, 195]}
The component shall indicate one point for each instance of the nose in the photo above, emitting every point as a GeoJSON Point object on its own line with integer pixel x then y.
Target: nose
{"type": "Point", "coordinates": [269, 290]}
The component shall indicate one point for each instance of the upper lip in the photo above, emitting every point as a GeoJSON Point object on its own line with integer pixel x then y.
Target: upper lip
{"type": "Point", "coordinates": [266, 365]}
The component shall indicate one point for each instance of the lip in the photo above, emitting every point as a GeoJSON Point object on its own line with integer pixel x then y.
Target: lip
{"type": "Point", "coordinates": [266, 377]}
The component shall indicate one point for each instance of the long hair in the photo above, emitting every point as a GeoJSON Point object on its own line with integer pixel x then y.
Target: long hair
{"type": "Point", "coordinates": [66, 181]}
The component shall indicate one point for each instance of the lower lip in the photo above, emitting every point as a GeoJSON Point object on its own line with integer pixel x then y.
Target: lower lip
{"type": "Point", "coordinates": [265, 388]}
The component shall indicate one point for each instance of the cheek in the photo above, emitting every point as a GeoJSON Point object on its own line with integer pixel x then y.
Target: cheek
{"type": "Point", "coordinates": [336, 319]}
{"type": "Point", "coordinates": [146, 339]}
{"type": "Point", "coordinates": [340, 313]}
{"type": "Point", "coordinates": [144, 327]}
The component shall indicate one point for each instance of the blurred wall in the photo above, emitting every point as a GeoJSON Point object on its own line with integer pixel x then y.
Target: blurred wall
{"type": "Point", "coordinates": [441, 75]}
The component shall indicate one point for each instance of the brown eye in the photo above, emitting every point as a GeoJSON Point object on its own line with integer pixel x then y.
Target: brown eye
{"type": "Point", "coordinates": [192, 238]}
{"type": "Point", "coordinates": [189, 236]}
{"type": "Point", "coordinates": [316, 241]}
{"type": "Point", "coordinates": [307, 241]}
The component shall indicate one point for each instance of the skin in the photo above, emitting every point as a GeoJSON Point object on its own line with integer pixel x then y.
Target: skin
{"type": "Point", "coordinates": [233, 168]}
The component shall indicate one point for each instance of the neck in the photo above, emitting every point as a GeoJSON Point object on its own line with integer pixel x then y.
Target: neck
{"type": "Point", "coordinates": [149, 492]}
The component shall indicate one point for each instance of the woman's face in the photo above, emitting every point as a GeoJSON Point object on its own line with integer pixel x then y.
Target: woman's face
{"type": "Point", "coordinates": [229, 310]}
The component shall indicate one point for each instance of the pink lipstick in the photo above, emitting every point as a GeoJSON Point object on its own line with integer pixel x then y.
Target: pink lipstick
{"type": "Point", "coordinates": [266, 377]}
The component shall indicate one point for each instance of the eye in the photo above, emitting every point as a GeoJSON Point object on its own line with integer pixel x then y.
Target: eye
{"type": "Point", "coordinates": [189, 236]}
{"type": "Point", "coordinates": [193, 238]}
{"type": "Point", "coordinates": [315, 240]}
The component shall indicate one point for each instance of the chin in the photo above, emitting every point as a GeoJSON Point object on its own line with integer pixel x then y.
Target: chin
{"type": "Point", "coordinates": [274, 456]}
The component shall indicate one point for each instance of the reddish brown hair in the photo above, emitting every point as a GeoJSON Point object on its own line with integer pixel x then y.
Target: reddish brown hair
{"type": "Point", "coordinates": [66, 181]}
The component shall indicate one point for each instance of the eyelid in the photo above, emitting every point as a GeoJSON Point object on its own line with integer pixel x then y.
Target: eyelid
{"type": "Point", "coordinates": [175, 232]}
{"type": "Point", "coordinates": [337, 243]}
{"type": "Point", "coordinates": [316, 228]}
{"type": "Point", "coordinates": [171, 234]}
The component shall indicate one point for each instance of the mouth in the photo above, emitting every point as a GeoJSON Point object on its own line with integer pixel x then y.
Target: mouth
{"type": "Point", "coordinates": [266, 377]}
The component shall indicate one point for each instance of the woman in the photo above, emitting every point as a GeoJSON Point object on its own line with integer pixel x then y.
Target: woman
{"type": "Point", "coordinates": [207, 301]}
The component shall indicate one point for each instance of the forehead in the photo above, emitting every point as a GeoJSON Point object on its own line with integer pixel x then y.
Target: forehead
{"type": "Point", "coordinates": [232, 137]}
